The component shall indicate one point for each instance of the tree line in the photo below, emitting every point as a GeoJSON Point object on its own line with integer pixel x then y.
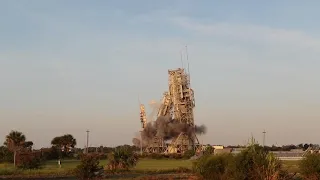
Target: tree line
{"type": "Point", "coordinates": [254, 162]}
{"type": "Point", "coordinates": [289, 147]}
{"type": "Point", "coordinates": [62, 147]}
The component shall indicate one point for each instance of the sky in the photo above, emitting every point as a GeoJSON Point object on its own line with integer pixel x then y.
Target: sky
{"type": "Point", "coordinates": [69, 66]}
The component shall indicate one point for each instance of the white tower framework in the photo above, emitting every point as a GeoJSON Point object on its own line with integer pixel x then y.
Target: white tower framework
{"type": "Point", "coordinates": [178, 103]}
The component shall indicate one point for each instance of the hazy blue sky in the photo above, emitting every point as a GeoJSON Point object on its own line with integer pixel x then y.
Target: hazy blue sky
{"type": "Point", "coordinates": [69, 65]}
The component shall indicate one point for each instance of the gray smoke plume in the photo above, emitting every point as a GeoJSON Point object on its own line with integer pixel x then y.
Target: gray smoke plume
{"type": "Point", "coordinates": [155, 106]}
{"type": "Point", "coordinates": [167, 128]}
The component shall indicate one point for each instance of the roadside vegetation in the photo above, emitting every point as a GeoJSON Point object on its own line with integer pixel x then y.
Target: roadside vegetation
{"type": "Point", "coordinates": [18, 159]}
{"type": "Point", "coordinates": [252, 163]}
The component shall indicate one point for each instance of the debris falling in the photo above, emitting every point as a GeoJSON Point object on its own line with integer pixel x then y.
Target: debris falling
{"type": "Point", "coordinates": [173, 131]}
{"type": "Point", "coordinates": [166, 128]}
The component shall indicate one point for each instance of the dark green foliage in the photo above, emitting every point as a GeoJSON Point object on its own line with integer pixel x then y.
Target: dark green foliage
{"type": "Point", "coordinates": [155, 156]}
{"type": "Point", "coordinates": [310, 166]}
{"type": "Point", "coordinates": [245, 163]}
{"type": "Point", "coordinates": [209, 150]}
{"type": "Point", "coordinates": [29, 161]}
{"type": "Point", "coordinates": [254, 163]}
{"type": "Point", "coordinates": [162, 156]}
{"type": "Point", "coordinates": [50, 153]}
{"type": "Point", "coordinates": [174, 156]}
{"type": "Point", "coordinates": [130, 148]}
{"type": "Point", "coordinates": [14, 138]}
{"type": "Point", "coordinates": [188, 154]}
{"type": "Point", "coordinates": [89, 167]}
{"type": "Point", "coordinates": [28, 145]}
{"type": "Point", "coordinates": [65, 145]}
{"type": "Point", "coordinates": [34, 163]}
{"type": "Point", "coordinates": [65, 142]}
{"type": "Point", "coordinates": [213, 166]}
{"type": "Point", "coordinates": [5, 155]}
{"type": "Point", "coordinates": [122, 159]}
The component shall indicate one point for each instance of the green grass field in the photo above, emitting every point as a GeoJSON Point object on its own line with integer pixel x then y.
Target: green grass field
{"type": "Point", "coordinates": [153, 164]}
{"type": "Point", "coordinates": [52, 168]}
{"type": "Point", "coordinates": [144, 164]}
{"type": "Point", "coordinates": [291, 166]}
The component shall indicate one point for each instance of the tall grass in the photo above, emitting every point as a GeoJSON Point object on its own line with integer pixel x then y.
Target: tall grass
{"type": "Point", "coordinates": [310, 167]}
{"type": "Point", "coordinates": [252, 163]}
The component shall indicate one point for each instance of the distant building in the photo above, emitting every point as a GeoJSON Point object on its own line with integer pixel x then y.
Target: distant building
{"type": "Point", "coordinates": [237, 150]}
{"type": "Point", "coordinates": [291, 153]}
{"type": "Point", "coordinates": [217, 146]}
{"type": "Point", "coordinates": [222, 151]}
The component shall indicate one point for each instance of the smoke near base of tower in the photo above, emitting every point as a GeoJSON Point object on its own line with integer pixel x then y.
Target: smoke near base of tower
{"type": "Point", "coordinates": [166, 128]}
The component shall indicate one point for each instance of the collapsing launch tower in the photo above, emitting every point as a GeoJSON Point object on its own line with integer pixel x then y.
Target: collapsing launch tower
{"type": "Point", "coordinates": [177, 104]}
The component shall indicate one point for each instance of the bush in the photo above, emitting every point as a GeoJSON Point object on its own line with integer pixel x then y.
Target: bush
{"type": "Point", "coordinates": [50, 153]}
{"type": "Point", "coordinates": [213, 166]}
{"type": "Point", "coordinates": [34, 163]}
{"type": "Point", "coordinates": [310, 166]}
{"type": "Point", "coordinates": [256, 163]}
{"type": "Point", "coordinates": [162, 156]}
{"type": "Point", "coordinates": [252, 163]}
{"type": "Point", "coordinates": [5, 155]}
{"type": "Point", "coordinates": [29, 160]}
{"type": "Point", "coordinates": [89, 167]}
{"type": "Point", "coordinates": [209, 150]}
{"type": "Point", "coordinates": [122, 159]}
{"type": "Point", "coordinates": [175, 156]}
{"type": "Point", "coordinates": [188, 154]}
{"type": "Point", "coordinates": [156, 156]}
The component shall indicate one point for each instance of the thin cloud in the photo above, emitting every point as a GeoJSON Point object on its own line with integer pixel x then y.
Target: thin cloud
{"type": "Point", "coordinates": [251, 32]}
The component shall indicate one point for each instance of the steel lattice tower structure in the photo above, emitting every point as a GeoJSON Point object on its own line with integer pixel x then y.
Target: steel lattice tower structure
{"type": "Point", "coordinates": [178, 102]}
{"type": "Point", "coordinates": [183, 104]}
{"type": "Point", "coordinates": [143, 117]}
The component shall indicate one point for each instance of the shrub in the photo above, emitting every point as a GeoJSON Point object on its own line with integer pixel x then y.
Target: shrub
{"type": "Point", "coordinates": [256, 163]}
{"type": "Point", "coordinates": [140, 156]}
{"type": "Point", "coordinates": [209, 150]}
{"type": "Point", "coordinates": [310, 166]}
{"type": "Point", "coordinates": [175, 156]}
{"type": "Point", "coordinates": [89, 167]}
{"type": "Point", "coordinates": [50, 153]}
{"type": "Point", "coordinates": [163, 156]}
{"type": "Point", "coordinates": [29, 160]}
{"type": "Point", "coordinates": [188, 154]}
{"type": "Point", "coordinates": [5, 155]}
{"type": "Point", "coordinates": [156, 156]}
{"type": "Point", "coordinates": [212, 166]}
{"type": "Point", "coordinates": [252, 163]}
{"type": "Point", "coordinates": [34, 163]}
{"type": "Point", "coordinates": [122, 159]}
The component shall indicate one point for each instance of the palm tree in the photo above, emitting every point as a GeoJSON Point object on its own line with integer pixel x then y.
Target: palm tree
{"type": "Point", "coordinates": [15, 141]}
{"type": "Point", "coordinates": [122, 158]}
{"type": "Point", "coordinates": [64, 142]}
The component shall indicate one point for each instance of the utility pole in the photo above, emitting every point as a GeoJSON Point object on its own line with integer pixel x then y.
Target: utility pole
{"type": "Point", "coordinates": [264, 138]}
{"type": "Point", "coordinates": [87, 149]}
